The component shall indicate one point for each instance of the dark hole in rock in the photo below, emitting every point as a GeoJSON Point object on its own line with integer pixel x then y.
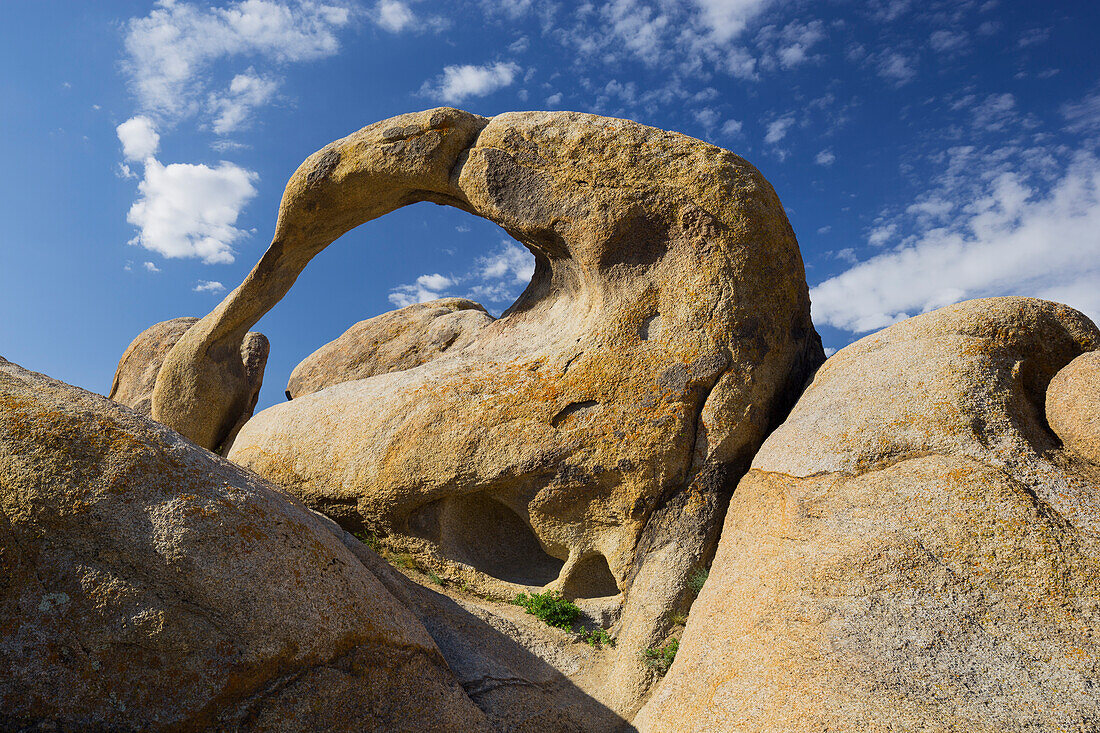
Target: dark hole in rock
{"type": "Point", "coordinates": [571, 409]}
{"type": "Point", "coordinates": [487, 535]}
{"type": "Point", "coordinates": [651, 328]}
{"type": "Point", "coordinates": [591, 578]}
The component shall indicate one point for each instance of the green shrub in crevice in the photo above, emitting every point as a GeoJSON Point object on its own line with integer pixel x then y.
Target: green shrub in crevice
{"type": "Point", "coordinates": [551, 607]}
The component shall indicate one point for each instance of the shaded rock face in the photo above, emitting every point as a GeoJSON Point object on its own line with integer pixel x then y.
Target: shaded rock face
{"type": "Point", "coordinates": [136, 375]}
{"type": "Point", "coordinates": [911, 549]}
{"type": "Point", "coordinates": [1073, 406]}
{"type": "Point", "coordinates": [585, 440]}
{"type": "Point", "coordinates": [148, 584]}
{"type": "Point", "coordinates": [392, 342]}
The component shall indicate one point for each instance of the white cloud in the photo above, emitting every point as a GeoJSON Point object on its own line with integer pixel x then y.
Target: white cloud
{"type": "Point", "coordinates": [881, 234]}
{"type": "Point", "coordinates": [511, 261]}
{"type": "Point", "coordinates": [150, 267]}
{"type": "Point", "coordinates": [726, 19]}
{"type": "Point", "coordinates": [829, 351]}
{"type": "Point", "coordinates": [825, 157]}
{"type": "Point", "coordinates": [796, 40]}
{"type": "Point", "coordinates": [896, 68]}
{"type": "Point", "coordinates": [707, 117]}
{"type": "Point", "coordinates": [426, 287]}
{"type": "Point", "coordinates": [496, 278]}
{"type": "Point", "coordinates": [168, 51]}
{"type": "Point", "coordinates": [933, 208]}
{"type": "Point", "coordinates": [777, 129]}
{"type": "Point", "coordinates": [1033, 37]}
{"type": "Point", "coordinates": [246, 92]}
{"type": "Point", "coordinates": [1083, 116]}
{"type": "Point", "coordinates": [189, 210]}
{"type": "Point", "coordinates": [741, 64]}
{"type": "Point", "coordinates": [554, 100]}
{"type": "Point", "coordinates": [139, 139]}
{"type": "Point", "coordinates": [948, 42]}
{"type": "Point", "coordinates": [731, 128]}
{"type": "Point", "coordinates": [995, 113]}
{"type": "Point", "coordinates": [1012, 240]}
{"type": "Point", "coordinates": [639, 28]}
{"type": "Point", "coordinates": [208, 286]}
{"type": "Point", "coordinates": [393, 16]}
{"type": "Point", "coordinates": [460, 82]}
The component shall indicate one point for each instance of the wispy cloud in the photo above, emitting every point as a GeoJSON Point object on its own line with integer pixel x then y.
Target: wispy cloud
{"type": "Point", "coordinates": [426, 287]}
{"type": "Point", "coordinates": [1011, 240]}
{"type": "Point", "coordinates": [457, 83]}
{"type": "Point", "coordinates": [246, 92]}
{"type": "Point", "coordinates": [777, 129]}
{"type": "Point", "coordinates": [169, 51]}
{"type": "Point", "coordinates": [497, 278]}
{"type": "Point", "coordinates": [208, 286]}
{"type": "Point", "coordinates": [896, 68]}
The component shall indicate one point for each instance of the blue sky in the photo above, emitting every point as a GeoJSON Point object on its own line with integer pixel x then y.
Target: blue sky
{"type": "Point", "coordinates": [926, 152]}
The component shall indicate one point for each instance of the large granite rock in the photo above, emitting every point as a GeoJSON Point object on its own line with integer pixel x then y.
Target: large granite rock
{"type": "Point", "coordinates": [585, 440]}
{"type": "Point", "coordinates": [147, 584]}
{"type": "Point", "coordinates": [137, 371]}
{"type": "Point", "coordinates": [1073, 406]}
{"type": "Point", "coordinates": [911, 550]}
{"type": "Point", "coordinates": [391, 342]}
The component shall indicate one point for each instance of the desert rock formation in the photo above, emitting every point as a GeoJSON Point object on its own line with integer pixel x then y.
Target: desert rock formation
{"type": "Point", "coordinates": [587, 440]}
{"type": "Point", "coordinates": [1073, 406]}
{"type": "Point", "coordinates": [148, 584]}
{"type": "Point", "coordinates": [912, 549]}
{"type": "Point", "coordinates": [394, 341]}
{"type": "Point", "coordinates": [136, 375]}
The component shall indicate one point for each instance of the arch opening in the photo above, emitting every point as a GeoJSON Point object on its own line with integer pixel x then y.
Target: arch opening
{"type": "Point", "coordinates": [591, 578]}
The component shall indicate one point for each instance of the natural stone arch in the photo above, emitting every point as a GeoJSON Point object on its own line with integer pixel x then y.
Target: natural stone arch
{"type": "Point", "coordinates": [665, 331]}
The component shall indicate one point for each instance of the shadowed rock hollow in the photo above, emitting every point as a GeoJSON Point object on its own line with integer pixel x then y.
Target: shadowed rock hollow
{"type": "Point", "coordinates": [586, 440]}
{"type": "Point", "coordinates": [913, 549]}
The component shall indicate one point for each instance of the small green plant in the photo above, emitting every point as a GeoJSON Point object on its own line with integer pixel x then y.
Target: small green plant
{"type": "Point", "coordinates": [368, 539]}
{"type": "Point", "coordinates": [679, 619]}
{"type": "Point", "coordinates": [697, 579]}
{"type": "Point", "coordinates": [597, 638]}
{"type": "Point", "coordinates": [401, 559]}
{"type": "Point", "coordinates": [435, 578]}
{"type": "Point", "coordinates": [551, 607]}
{"type": "Point", "coordinates": [660, 658]}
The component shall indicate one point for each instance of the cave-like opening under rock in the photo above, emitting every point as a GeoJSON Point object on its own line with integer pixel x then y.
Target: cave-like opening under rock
{"type": "Point", "coordinates": [591, 578]}
{"type": "Point", "coordinates": [483, 533]}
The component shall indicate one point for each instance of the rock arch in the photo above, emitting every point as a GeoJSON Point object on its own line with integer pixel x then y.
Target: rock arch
{"type": "Point", "coordinates": [666, 330]}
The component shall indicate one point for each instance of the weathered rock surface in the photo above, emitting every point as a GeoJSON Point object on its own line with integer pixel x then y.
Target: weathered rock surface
{"type": "Point", "coordinates": [137, 371]}
{"type": "Point", "coordinates": [911, 550]}
{"type": "Point", "coordinates": [1073, 406]}
{"type": "Point", "coordinates": [391, 342]}
{"type": "Point", "coordinates": [147, 584]}
{"type": "Point", "coordinates": [585, 440]}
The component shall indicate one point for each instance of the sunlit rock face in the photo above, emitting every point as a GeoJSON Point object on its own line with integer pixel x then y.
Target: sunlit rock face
{"type": "Point", "coordinates": [391, 342]}
{"type": "Point", "coordinates": [147, 584]}
{"type": "Point", "coordinates": [136, 377]}
{"type": "Point", "coordinates": [914, 548]}
{"type": "Point", "coordinates": [586, 440]}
